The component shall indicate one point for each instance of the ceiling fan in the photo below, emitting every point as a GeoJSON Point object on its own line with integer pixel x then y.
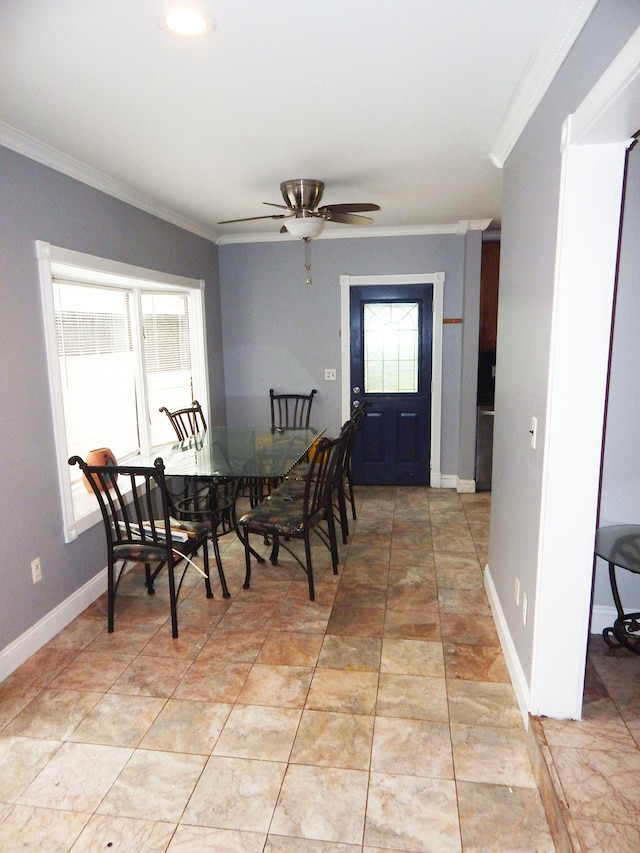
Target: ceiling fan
{"type": "Point", "coordinates": [304, 218]}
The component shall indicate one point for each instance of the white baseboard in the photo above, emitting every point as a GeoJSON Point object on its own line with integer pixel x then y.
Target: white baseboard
{"type": "Point", "coordinates": [465, 487]}
{"type": "Point", "coordinates": [518, 679]}
{"type": "Point", "coordinates": [603, 617]}
{"type": "Point", "coordinates": [27, 644]}
{"type": "Point", "coordinates": [448, 481]}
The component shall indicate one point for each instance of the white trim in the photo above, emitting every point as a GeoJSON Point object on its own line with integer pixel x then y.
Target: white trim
{"type": "Point", "coordinates": [518, 678]}
{"type": "Point", "coordinates": [604, 115]}
{"type": "Point", "coordinates": [29, 147]}
{"type": "Point", "coordinates": [437, 280]}
{"type": "Point", "coordinates": [27, 644]}
{"type": "Point", "coordinates": [559, 38]}
{"type": "Point", "coordinates": [340, 232]}
{"type": "Point", "coordinates": [465, 487]}
{"type": "Point", "coordinates": [79, 511]}
{"type": "Point", "coordinates": [595, 141]}
{"type": "Point", "coordinates": [445, 481]}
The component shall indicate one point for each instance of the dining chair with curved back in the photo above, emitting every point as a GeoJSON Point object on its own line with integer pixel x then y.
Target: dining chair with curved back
{"type": "Point", "coordinates": [202, 500]}
{"type": "Point", "coordinates": [283, 517]}
{"type": "Point", "coordinates": [290, 411]}
{"type": "Point", "coordinates": [188, 421]}
{"type": "Point", "coordinates": [136, 511]}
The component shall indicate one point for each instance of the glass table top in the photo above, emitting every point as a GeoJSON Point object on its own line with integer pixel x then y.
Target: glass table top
{"type": "Point", "coordinates": [238, 452]}
{"type": "Point", "coordinates": [620, 544]}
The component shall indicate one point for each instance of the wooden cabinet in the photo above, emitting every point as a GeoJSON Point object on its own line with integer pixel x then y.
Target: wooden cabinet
{"type": "Point", "coordinates": [489, 274]}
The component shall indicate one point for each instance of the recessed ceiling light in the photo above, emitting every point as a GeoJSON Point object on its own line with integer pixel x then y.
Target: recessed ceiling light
{"type": "Point", "coordinates": [186, 22]}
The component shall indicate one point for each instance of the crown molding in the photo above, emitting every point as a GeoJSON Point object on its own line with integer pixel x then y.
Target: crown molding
{"type": "Point", "coordinates": [461, 227]}
{"type": "Point", "coordinates": [563, 30]}
{"type": "Point", "coordinates": [20, 142]}
{"type": "Point", "coordinates": [26, 145]}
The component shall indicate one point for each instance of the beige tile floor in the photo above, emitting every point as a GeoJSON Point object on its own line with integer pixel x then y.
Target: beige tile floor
{"type": "Point", "coordinates": [378, 718]}
{"type": "Point", "coordinates": [594, 764]}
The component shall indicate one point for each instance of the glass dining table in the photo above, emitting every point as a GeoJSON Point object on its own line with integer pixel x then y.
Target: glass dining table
{"type": "Point", "coordinates": [238, 452]}
{"type": "Point", "coordinates": [250, 458]}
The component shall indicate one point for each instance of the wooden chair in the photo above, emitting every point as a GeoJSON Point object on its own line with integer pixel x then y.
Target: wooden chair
{"type": "Point", "coordinates": [283, 517]}
{"type": "Point", "coordinates": [136, 511]}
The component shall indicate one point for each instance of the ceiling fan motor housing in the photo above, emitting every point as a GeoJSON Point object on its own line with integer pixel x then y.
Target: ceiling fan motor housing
{"type": "Point", "coordinates": [302, 194]}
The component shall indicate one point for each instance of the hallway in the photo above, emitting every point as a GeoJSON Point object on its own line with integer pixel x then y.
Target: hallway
{"type": "Point", "coordinates": [379, 717]}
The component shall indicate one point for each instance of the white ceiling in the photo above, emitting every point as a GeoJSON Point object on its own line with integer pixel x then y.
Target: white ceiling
{"type": "Point", "coordinates": [398, 103]}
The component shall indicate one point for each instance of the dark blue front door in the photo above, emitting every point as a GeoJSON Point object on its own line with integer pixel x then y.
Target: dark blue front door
{"type": "Point", "coordinates": [391, 329]}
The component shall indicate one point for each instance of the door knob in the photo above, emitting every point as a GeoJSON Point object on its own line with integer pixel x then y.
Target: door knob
{"type": "Point", "coordinates": [356, 404]}
{"type": "Point", "coordinates": [356, 389]}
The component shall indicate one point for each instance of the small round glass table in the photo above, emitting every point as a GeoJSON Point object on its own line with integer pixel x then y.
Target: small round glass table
{"type": "Point", "coordinates": [619, 545]}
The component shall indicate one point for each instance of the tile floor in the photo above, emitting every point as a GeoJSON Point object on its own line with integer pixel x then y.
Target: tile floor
{"type": "Point", "coordinates": [378, 718]}
{"type": "Point", "coordinates": [594, 764]}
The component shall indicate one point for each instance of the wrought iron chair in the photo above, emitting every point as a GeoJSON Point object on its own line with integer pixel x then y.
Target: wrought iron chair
{"type": "Point", "coordinates": [283, 516]}
{"type": "Point", "coordinates": [343, 491]}
{"type": "Point", "coordinates": [201, 499]}
{"type": "Point", "coordinates": [290, 411]}
{"type": "Point", "coordinates": [186, 422]}
{"type": "Point", "coordinates": [136, 512]}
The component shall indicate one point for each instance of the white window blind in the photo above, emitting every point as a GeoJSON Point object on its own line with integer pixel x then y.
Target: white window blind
{"type": "Point", "coordinates": [122, 342]}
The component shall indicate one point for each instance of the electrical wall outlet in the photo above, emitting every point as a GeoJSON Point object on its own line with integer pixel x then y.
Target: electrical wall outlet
{"type": "Point", "coordinates": [330, 373]}
{"type": "Point", "coordinates": [533, 432]}
{"type": "Point", "coordinates": [524, 608]}
{"type": "Point", "coordinates": [36, 570]}
{"type": "Point", "coordinates": [516, 591]}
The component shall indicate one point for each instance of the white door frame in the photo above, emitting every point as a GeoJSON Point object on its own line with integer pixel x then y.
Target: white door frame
{"type": "Point", "coordinates": [595, 140]}
{"type": "Point", "coordinates": [437, 280]}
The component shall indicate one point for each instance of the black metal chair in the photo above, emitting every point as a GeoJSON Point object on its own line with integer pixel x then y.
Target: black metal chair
{"type": "Point", "coordinates": [283, 516]}
{"type": "Point", "coordinates": [202, 499]}
{"type": "Point", "coordinates": [290, 411]}
{"type": "Point", "coordinates": [136, 511]}
{"type": "Point", "coordinates": [188, 421]}
{"type": "Point", "coordinates": [344, 491]}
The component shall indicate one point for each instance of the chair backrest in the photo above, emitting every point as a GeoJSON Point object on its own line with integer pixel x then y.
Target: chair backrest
{"type": "Point", "coordinates": [348, 431]}
{"type": "Point", "coordinates": [323, 474]}
{"type": "Point", "coordinates": [186, 422]}
{"type": "Point", "coordinates": [290, 411]}
{"type": "Point", "coordinates": [134, 503]}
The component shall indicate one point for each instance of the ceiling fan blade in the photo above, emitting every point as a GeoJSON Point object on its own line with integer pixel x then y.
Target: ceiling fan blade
{"type": "Point", "coordinates": [348, 218]}
{"type": "Point", "coordinates": [358, 207]}
{"type": "Point", "coordinates": [251, 218]}
{"type": "Point", "coordinates": [281, 206]}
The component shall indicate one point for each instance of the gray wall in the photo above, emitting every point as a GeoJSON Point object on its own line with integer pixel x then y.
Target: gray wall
{"type": "Point", "coordinates": [281, 333]}
{"type": "Point", "coordinates": [529, 234]}
{"type": "Point", "coordinates": [620, 494]}
{"type": "Point", "coordinates": [38, 203]}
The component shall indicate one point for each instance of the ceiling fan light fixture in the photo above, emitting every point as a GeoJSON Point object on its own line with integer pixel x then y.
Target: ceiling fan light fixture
{"type": "Point", "coordinates": [305, 227]}
{"type": "Point", "coordinates": [187, 22]}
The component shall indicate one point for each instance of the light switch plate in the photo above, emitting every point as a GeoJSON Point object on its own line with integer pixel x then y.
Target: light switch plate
{"type": "Point", "coordinates": [330, 373]}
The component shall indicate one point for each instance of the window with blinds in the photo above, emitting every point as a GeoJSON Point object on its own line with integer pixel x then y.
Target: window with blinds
{"type": "Point", "coordinates": [120, 346]}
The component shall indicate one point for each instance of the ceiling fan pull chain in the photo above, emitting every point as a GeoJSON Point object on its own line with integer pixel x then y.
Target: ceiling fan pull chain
{"type": "Point", "coordinates": [307, 260]}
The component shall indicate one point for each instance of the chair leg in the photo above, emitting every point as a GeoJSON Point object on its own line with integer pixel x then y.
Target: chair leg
{"type": "Point", "coordinates": [223, 580]}
{"type": "Point", "coordinates": [275, 550]}
{"type": "Point", "coordinates": [172, 600]}
{"type": "Point", "coordinates": [205, 563]}
{"type": "Point", "coordinates": [342, 509]}
{"type": "Point", "coordinates": [351, 497]}
{"type": "Point", "coordinates": [247, 559]}
{"type": "Point", "coordinates": [333, 542]}
{"type": "Point", "coordinates": [111, 595]}
{"type": "Point", "coordinates": [307, 552]}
